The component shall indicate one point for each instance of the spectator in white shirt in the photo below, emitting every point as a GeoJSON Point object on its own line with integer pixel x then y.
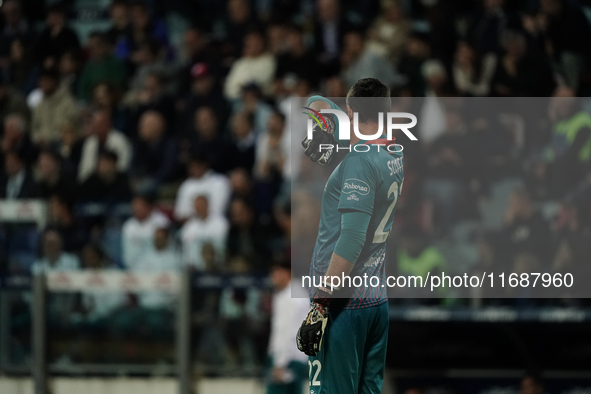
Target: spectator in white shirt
{"type": "Point", "coordinates": [289, 365]}
{"type": "Point", "coordinates": [98, 305]}
{"type": "Point", "coordinates": [472, 73]}
{"type": "Point", "coordinates": [255, 65]}
{"type": "Point", "coordinates": [138, 231]}
{"type": "Point", "coordinates": [202, 181]}
{"type": "Point", "coordinates": [272, 149]}
{"type": "Point", "coordinates": [162, 257]}
{"type": "Point", "coordinates": [206, 227]}
{"type": "Point", "coordinates": [53, 256]}
{"type": "Point", "coordinates": [61, 305]}
{"type": "Point", "coordinates": [103, 137]}
{"type": "Point", "coordinates": [150, 313]}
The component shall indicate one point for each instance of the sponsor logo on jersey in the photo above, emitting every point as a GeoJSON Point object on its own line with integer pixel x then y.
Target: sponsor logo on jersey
{"type": "Point", "coordinates": [377, 259]}
{"type": "Point", "coordinates": [353, 197]}
{"type": "Point", "coordinates": [352, 185]}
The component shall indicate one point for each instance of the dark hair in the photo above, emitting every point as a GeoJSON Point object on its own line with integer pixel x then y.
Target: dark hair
{"type": "Point", "coordinates": [116, 3]}
{"type": "Point", "coordinates": [257, 32]}
{"type": "Point", "coordinates": [100, 36]}
{"type": "Point", "coordinates": [51, 73]}
{"type": "Point", "coordinates": [57, 8]}
{"type": "Point", "coordinates": [112, 90]}
{"type": "Point", "coordinates": [19, 155]}
{"type": "Point", "coordinates": [248, 116]}
{"type": "Point", "coordinates": [199, 158]}
{"type": "Point", "coordinates": [295, 28]}
{"type": "Point", "coordinates": [358, 32]}
{"type": "Point", "coordinates": [281, 262]}
{"type": "Point", "coordinates": [421, 36]}
{"type": "Point", "coordinates": [166, 229]}
{"type": "Point", "coordinates": [148, 197]}
{"type": "Point", "coordinates": [535, 376]}
{"type": "Point", "coordinates": [74, 54]}
{"type": "Point", "coordinates": [109, 155]}
{"type": "Point", "coordinates": [96, 248]}
{"type": "Point", "coordinates": [140, 4]}
{"type": "Point", "coordinates": [477, 60]}
{"type": "Point", "coordinates": [252, 87]}
{"type": "Point", "coordinates": [157, 75]}
{"type": "Point", "coordinates": [368, 109]}
{"type": "Point", "coordinates": [243, 201]}
{"type": "Point", "coordinates": [51, 153]}
{"type": "Point", "coordinates": [151, 45]}
{"type": "Point", "coordinates": [67, 202]}
{"type": "Point", "coordinates": [285, 206]}
{"type": "Point", "coordinates": [196, 28]}
{"type": "Point", "coordinates": [278, 113]}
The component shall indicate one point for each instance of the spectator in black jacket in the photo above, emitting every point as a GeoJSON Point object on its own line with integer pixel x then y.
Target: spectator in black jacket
{"type": "Point", "coordinates": [488, 24]}
{"type": "Point", "coordinates": [53, 180]}
{"type": "Point", "coordinates": [206, 140]}
{"type": "Point", "coordinates": [525, 231]}
{"type": "Point", "coordinates": [567, 33]}
{"type": "Point", "coordinates": [155, 159]}
{"type": "Point", "coordinates": [15, 27]}
{"type": "Point", "coordinates": [243, 141]}
{"type": "Point", "coordinates": [17, 182]}
{"type": "Point", "coordinates": [119, 13]}
{"type": "Point", "coordinates": [297, 62]}
{"type": "Point", "coordinates": [107, 184]}
{"type": "Point", "coordinates": [57, 38]}
{"type": "Point", "coordinates": [523, 70]}
{"type": "Point", "coordinates": [151, 97]}
{"type": "Point", "coordinates": [416, 52]}
{"type": "Point", "coordinates": [329, 30]}
{"type": "Point", "coordinates": [11, 101]}
{"type": "Point", "coordinates": [247, 237]}
{"type": "Point", "coordinates": [75, 233]}
{"type": "Point", "coordinates": [238, 22]}
{"type": "Point", "coordinates": [17, 139]}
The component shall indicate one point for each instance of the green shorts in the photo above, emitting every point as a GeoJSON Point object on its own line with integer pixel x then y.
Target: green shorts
{"type": "Point", "coordinates": [353, 352]}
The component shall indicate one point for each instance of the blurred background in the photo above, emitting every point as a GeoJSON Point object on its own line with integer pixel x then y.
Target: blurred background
{"type": "Point", "coordinates": [143, 137]}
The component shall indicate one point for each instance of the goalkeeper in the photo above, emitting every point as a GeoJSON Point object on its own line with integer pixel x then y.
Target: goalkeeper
{"type": "Point", "coordinates": [345, 332]}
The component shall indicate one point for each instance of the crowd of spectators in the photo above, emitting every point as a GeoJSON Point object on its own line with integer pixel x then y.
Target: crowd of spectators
{"type": "Point", "coordinates": [193, 130]}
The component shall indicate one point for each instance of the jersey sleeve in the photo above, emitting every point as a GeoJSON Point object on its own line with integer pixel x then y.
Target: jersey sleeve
{"type": "Point", "coordinates": [358, 185]}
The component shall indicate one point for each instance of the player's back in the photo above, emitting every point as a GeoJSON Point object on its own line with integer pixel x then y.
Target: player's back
{"type": "Point", "coordinates": [368, 181]}
{"type": "Point", "coordinates": [387, 170]}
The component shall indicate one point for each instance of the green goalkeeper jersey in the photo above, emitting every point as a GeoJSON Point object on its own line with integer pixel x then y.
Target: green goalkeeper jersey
{"type": "Point", "coordinates": [369, 179]}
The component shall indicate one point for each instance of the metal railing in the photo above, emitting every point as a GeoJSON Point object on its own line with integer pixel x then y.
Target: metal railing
{"type": "Point", "coordinates": [81, 281]}
{"type": "Point", "coordinates": [43, 284]}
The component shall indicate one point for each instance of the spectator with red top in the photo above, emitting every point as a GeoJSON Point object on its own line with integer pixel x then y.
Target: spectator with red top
{"type": "Point", "coordinates": [203, 90]}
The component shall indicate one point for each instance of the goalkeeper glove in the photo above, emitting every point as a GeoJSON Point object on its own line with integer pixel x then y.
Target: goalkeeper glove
{"type": "Point", "coordinates": [309, 337]}
{"type": "Point", "coordinates": [320, 135]}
